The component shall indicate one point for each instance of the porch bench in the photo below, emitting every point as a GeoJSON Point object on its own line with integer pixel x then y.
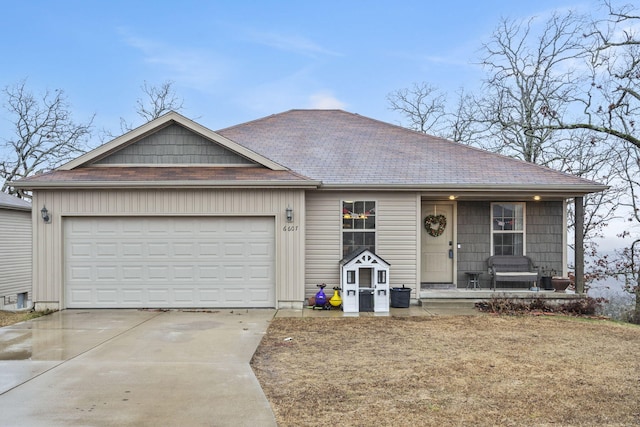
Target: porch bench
{"type": "Point", "coordinates": [512, 268]}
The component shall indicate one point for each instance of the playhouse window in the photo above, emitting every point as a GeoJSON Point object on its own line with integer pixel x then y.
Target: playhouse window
{"type": "Point", "coordinates": [358, 226]}
{"type": "Point", "coordinates": [507, 228]}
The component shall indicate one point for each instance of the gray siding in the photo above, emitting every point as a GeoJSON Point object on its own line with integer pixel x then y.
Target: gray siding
{"type": "Point", "coordinates": [474, 239]}
{"type": "Point", "coordinates": [396, 236]}
{"type": "Point", "coordinates": [545, 237]}
{"type": "Point", "coordinates": [15, 252]}
{"type": "Point", "coordinates": [174, 145]}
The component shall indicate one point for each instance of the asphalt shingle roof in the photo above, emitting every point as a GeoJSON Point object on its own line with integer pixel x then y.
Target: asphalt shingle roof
{"type": "Point", "coordinates": [327, 148]}
{"type": "Point", "coordinates": [172, 173]}
{"type": "Point", "coordinates": [11, 202]}
{"type": "Point", "coordinates": [340, 148]}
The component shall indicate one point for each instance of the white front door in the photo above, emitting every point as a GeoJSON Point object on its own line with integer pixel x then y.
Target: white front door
{"type": "Point", "coordinates": [437, 248]}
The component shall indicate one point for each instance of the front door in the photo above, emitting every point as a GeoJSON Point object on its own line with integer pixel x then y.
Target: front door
{"type": "Point", "coordinates": [437, 243]}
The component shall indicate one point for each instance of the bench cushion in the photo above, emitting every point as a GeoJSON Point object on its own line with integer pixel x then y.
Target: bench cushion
{"type": "Point", "coordinates": [515, 276]}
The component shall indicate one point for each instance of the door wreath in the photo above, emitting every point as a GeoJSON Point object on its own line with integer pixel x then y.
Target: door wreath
{"type": "Point", "coordinates": [435, 224]}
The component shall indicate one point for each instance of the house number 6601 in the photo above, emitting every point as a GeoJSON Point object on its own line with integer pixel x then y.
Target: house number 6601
{"type": "Point", "coordinates": [290, 228]}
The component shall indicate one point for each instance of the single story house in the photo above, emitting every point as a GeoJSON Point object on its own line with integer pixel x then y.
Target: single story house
{"type": "Point", "coordinates": [173, 214]}
{"type": "Point", "coordinates": [15, 251]}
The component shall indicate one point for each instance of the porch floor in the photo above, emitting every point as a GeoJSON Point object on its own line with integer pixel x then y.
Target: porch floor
{"type": "Point", "coordinates": [484, 293]}
{"type": "Point", "coordinates": [457, 299]}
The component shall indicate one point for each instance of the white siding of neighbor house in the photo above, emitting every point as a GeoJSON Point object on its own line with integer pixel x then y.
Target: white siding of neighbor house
{"type": "Point", "coordinates": [48, 238]}
{"type": "Point", "coordinates": [15, 252]}
{"type": "Point", "coordinates": [396, 236]}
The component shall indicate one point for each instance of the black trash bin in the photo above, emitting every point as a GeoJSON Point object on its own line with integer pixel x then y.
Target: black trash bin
{"type": "Point", "coordinates": [366, 299]}
{"type": "Point", "coordinates": [400, 297]}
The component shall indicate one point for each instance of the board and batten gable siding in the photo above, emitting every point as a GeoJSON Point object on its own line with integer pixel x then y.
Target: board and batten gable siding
{"type": "Point", "coordinates": [396, 236]}
{"type": "Point", "coordinates": [545, 239]}
{"type": "Point", "coordinates": [289, 242]}
{"type": "Point", "coordinates": [174, 145]}
{"type": "Point", "coordinates": [15, 252]}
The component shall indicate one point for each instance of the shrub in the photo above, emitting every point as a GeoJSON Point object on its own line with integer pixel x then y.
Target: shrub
{"type": "Point", "coordinates": [581, 307]}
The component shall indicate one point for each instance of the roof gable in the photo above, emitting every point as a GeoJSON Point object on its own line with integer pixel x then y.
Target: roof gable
{"type": "Point", "coordinates": [173, 145]}
{"type": "Point", "coordinates": [363, 258]}
{"type": "Point", "coordinates": [152, 144]}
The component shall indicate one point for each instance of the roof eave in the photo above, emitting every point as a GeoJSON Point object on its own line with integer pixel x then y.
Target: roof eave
{"type": "Point", "coordinates": [15, 208]}
{"type": "Point", "coordinates": [476, 189]}
{"type": "Point", "coordinates": [67, 185]}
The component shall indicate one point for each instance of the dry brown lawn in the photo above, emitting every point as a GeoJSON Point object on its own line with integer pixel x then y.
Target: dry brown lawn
{"type": "Point", "coordinates": [9, 318]}
{"type": "Point", "coordinates": [451, 371]}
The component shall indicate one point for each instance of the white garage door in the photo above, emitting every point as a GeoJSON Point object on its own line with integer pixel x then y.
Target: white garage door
{"type": "Point", "coordinates": [175, 262]}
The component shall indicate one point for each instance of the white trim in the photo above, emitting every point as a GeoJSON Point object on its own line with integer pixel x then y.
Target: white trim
{"type": "Point", "coordinates": [66, 185]}
{"type": "Point", "coordinates": [453, 223]}
{"type": "Point", "coordinates": [524, 226]}
{"type": "Point", "coordinates": [565, 243]}
{"type": "Point", "coordinates": [175, 165]}
{"type": "Point", "coordinates": [364, 230]}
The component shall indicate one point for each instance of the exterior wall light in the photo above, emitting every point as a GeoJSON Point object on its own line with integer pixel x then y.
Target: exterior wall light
{"type": "Point", "coordinates": [289, 213]}
{"type": "Point", "coordinates": [537, 198]}
{"type": "Point", "coordinates": [45, 215]}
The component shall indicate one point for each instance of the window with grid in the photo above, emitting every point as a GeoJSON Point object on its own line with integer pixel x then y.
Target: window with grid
{"type": "Point", "coordinates": [507, 228]}
{"type": "Point", "coordinates": [358, 226]}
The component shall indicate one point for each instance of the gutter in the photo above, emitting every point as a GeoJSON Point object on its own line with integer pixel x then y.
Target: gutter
{"type": "Point", "coordinates": [67, 185]}
{"type": "Point", "coordinates": [475, 189]}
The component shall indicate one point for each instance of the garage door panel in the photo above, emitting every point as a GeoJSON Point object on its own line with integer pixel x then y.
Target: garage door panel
{"type": "Point", "coordinates": [132, 296]}
{"type": "Point", "coordinates": [209, 273]}
{"type": "Point", "coordinates": [157, 273]}
{"type": "Point", "coordinates": [259, 249]}
{"type": "Point", "coordinates": [169, 262]}
{"type": "Point", "coordinates": [107, 273]}
{"type": "Point", "coordinates": [80, 274]}
{"type": "Point", "coordinates": [81, 250]}
{"type": "Point", "coordinates": [82, 296]}
{"type": "Point", "coordinates": [132, 249]}
{"type": "Point", "coordinates": [108, 228]}
{"type": "Point", "coordinates": [209, 249]}
{"type": "Point", "coordinates": [209, 295]}
{"type": "Point", "coordinates": [105, 297]}
{"type": "Point", "coordinates": [158, 249]}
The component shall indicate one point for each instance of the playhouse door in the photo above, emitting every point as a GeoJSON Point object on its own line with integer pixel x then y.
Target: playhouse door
{"type": "Point", "coordinates": [437, 245]}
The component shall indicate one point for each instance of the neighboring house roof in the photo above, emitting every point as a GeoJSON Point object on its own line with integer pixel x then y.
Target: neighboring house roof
{"type": "Point", "coordinates": [12, 202]}
{"type": "Point", "coordinates": [317, 148]}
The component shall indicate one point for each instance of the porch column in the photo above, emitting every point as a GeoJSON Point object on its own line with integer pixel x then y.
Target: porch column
{"type": "Point", "coordinates": [579, 244]}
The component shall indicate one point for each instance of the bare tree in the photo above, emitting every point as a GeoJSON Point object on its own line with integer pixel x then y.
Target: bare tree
{"type": "Point", "coordinates": [625, 265]}
{"type": "Point", "coordinates": [609, 103]}
{"type": "Point", "coordinates": [462, 123]}
{"type": "Point", "coordinates": [156, 101]}
{"type": "Point", "coordinates": [423, 105]}
{"type": "Point", "coordinates": [45, 135]}
{"type": "Point", "coordinates": [528, 66]}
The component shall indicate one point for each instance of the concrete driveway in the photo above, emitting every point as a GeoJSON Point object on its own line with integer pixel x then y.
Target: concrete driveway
{"type": "Point", "coordinates": [133, 368]}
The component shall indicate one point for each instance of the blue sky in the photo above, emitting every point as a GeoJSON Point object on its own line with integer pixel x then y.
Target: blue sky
{"type": "Point", "coordinates": [235, 61]}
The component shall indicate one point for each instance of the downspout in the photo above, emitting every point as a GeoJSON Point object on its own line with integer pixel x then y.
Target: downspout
{"type": "Point", "coordinates": [579, 244]}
